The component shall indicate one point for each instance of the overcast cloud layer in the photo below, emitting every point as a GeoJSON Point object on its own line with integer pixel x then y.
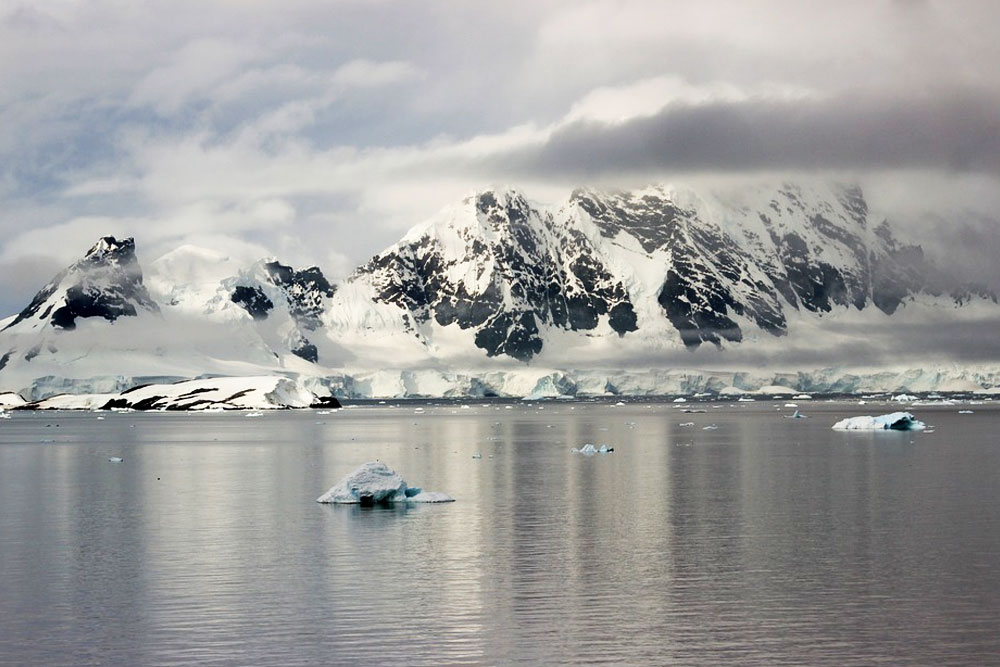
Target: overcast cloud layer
{"type": "Point", "coordinates": [321, 131]}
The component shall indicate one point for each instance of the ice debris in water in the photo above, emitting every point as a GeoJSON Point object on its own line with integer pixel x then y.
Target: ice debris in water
{"type": "Point", "coordinates": [115, 459]}
{"type": "Point", "coordinates": [589, 450]}
{"type": "Point", "coordinates": [376, 483]}
{"type": "Point", "coordinates": [895, 421]}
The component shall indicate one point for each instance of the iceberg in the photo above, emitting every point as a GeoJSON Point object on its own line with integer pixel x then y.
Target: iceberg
{"type": "Point", "coordinates": [589, 450]}
{"type": "Point", "coordinates": [376, 483]}
{"type": "Point", "coordinates": [895, 421]}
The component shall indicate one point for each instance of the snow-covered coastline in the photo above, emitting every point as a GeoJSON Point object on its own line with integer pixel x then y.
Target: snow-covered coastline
{"type": "Point", "coordinates": [300, 390]}
{"type": "Point", "coordinates": [230, 393]}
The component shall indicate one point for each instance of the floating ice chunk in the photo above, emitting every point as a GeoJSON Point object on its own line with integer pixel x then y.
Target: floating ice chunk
{"type": "Point", "coordinates": [965, 412]}
{"type": "Point", "coordinates": [375, 483]}
{"type": "Point", "coordinates": [895, 421]}
{"type": "Point", "coordinates": [802, 397]}
{"type": "Point", "coordinates": [796, 415]}
{"type": "Point", "coordinates": [680, 400]}
{"type": "Point", "coordinates": [115, 459]}
{"type": "Point", "coordinates": [685, 424]}
{"type": "Point", "coordinates": [589, 450]}
{"type": "Point", "coordinates": [905, 398]}
{"type": "Point", "coordinates": [710, 427]}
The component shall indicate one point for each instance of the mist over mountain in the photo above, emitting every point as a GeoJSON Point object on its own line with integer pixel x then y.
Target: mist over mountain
{"type": "Point", "coordinates": [787, 277]}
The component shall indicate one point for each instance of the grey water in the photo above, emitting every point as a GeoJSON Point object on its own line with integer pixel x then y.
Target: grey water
{"type": "Point", "coordinates": [764, 541]}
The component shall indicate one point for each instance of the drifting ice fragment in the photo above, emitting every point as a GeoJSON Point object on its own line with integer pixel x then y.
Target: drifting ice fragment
{"type": "Point", "coordinates": [376, 483]}
{"type": "Point", "coordinates": [589, 450]}
{"type": "Point", "coordinates": [115, 459]}
{"type": "Point", "coordinates": [896, 421]}
{"type": "Point", "coordinates": [796, 415]}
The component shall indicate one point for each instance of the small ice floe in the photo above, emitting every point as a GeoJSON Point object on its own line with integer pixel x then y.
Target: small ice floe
{"type": "Point", "coordinates": [376, 483]}
{"type": "Point", "coordinates": [619, 403]}
{"type": "Point", "coordinates": [255, 414]}
{"type": "Point", "coordinates": [115, 459]}
{"type": "Point", "coordinates": [905, 398]}
{"type": "Point", "coordinates": [744, 399]}
{"type": "Point", "coordinates": [4, 414]}
{"type": "Point", "coordinates": [791, 405]}
{"type": "Point", "coordinates": [686, 424]}
{"type": "Point", "coordinates": [710, 427]}
{"type": "Point", "coordinates": [965, 412]}
{"type": "Point", "coordinates": [895, 421]}
{"type": "Point", "coordinates": [796, 415]}
{"type": "Point", "coordinates": [680, 400]}
{"type": "Point", "coordinates": [477, 455]}
{"type": "Point", "coordinates": [589, 450]}
{"type": "Point", "coordinates": [802, 397]}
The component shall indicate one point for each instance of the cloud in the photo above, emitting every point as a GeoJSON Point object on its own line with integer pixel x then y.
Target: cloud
{"type": "Point", "coordinates": [324, 130]}
{"type": "Point", "coordinates": [365, 73]}
{"type": "Point", "coordinates": [948, 130]}
{"type": "Point", "coordinates": [193, 72]}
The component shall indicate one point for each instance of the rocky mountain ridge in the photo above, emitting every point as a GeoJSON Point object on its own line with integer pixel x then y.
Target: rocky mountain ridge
{"type": "Point", "coordinates": [603, 278]}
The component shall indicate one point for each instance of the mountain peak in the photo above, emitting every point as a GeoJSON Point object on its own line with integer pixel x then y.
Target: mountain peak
{"type": "Point", "coordinates": [106, 283]}
{"type": "Point", "coordinates": [110, 247]}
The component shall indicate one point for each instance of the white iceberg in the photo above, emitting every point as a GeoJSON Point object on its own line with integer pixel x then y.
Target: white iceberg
{"type": "Point", "coordinates": [895, 421]}
{"type": "Point", "coordinates": [589, 450]}
{"type": "Point", "coordinates": [905, 398]}
{"type": "Point", "coordinates": [376, 483]}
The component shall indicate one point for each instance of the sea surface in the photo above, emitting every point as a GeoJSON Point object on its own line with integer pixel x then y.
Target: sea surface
{"type": "Point", "coordinates": [764, 541]}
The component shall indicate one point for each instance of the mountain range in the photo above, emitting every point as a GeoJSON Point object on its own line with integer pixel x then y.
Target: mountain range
{"type": "Point", "coordinates": [640, 281]}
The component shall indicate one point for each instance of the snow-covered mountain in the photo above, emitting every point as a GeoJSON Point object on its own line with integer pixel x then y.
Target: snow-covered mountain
{"type": "Point", "coordinates": [652, 278]}
{"type": "Point", "coordinates": [625, 274]}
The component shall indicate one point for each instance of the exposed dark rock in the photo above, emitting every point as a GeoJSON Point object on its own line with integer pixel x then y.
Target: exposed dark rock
{"type": "Point", "coordinates": [305, 290]}
{"type": "Point", "coordinates": [528, 272]}
{"type": "Point", "coordinates": [106, 283]}
{"type": "Point", "coordinates": [326, 402]}
{"type": "Point", "coordinates": [307, 351]}
{"type": "Point", "coordinates": [253, 300]}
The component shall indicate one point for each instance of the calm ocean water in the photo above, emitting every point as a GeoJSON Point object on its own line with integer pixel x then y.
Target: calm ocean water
{"type": "Point", "coordinates": [763, 541]}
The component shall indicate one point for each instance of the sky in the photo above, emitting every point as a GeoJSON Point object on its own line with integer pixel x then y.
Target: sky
{"type": "Point", "coordinates": [319, 132]}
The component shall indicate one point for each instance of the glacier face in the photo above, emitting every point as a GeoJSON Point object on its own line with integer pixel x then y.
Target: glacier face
{"type": "Point", "coordinates": [496, 292]}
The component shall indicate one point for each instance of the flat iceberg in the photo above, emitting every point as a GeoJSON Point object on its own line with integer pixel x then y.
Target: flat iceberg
{"type": "Point", "coordinates": [589, 450]}
{"type": "Point", "coordinates": [895, 421]}
{"type": "Point", "coordinates": [376, 483]}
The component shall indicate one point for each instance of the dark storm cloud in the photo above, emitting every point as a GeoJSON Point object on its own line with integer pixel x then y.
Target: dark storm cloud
{"type": "Point", "coordinates": [950, 130]}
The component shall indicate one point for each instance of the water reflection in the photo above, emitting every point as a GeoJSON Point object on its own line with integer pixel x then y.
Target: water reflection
{"type": "Point", "coordinates": [764, 541]}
